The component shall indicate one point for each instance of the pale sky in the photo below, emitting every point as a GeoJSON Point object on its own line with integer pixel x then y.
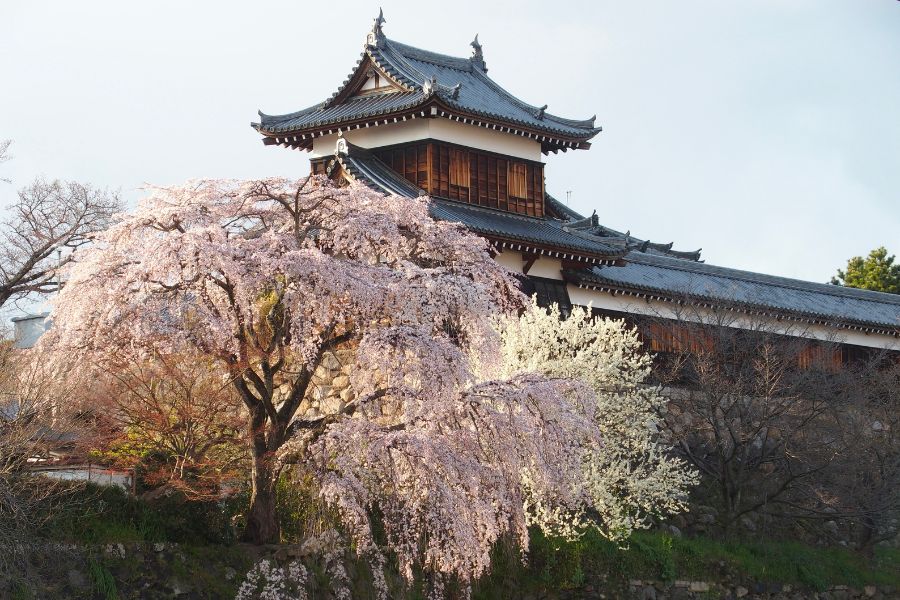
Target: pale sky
{"type": "Point", "coordinates": [766, 132]}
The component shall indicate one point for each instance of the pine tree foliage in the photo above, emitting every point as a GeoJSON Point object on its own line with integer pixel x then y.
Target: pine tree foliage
{"type": "Point", "coordinates": [877, 272]}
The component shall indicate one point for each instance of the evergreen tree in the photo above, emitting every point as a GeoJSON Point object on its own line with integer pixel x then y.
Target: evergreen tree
{"type": "Point", "coordinates": [875, 272]}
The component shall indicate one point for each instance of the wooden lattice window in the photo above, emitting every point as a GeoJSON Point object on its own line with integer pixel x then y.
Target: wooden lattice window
{"type": "Point", "coordinates": [517, 180]}
{"type": "Point", "coordinates": [820, 356]}
{"type": "Point", "coordinates": [459, 167]}
{"type": "Point", "coordinates": [678, 338]}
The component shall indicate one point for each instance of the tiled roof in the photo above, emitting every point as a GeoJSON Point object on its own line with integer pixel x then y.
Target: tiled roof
{"type": "Point", "coordinates": [677, 278]}
{"type": "Point", "coordinates": [547, 232]}
{"type": "Point", "coordinates": [508, 227]}
{"type": "Point", "coordinates": [365, 168]}
{"type": "Point", "coordinates": [590, 226]}
{"type": "Point", "coordinates": [478, 93]}
{"type": "Point", "coordinates": [426, 78]}
{"type": "Point", "coordinates": [652, 269]}
{"type": "Point", "coordinates": [354, 108]}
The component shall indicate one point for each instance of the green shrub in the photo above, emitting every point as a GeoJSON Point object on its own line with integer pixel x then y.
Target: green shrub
{"type": "Point", "coordinates": [102, 581]}
{"type": "Point", "coordinates": [99, 515]}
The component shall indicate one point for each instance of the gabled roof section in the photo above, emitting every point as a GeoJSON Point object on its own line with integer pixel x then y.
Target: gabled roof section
{"type": "Point", "coordinates": [666, 278]}
{"type": "Point", "coordinates": [424, 84]}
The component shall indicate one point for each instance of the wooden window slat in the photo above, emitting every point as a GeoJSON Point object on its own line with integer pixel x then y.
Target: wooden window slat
{"type": "Point", "coordinates": [468, 175]}
{"type": "Point", "coordinates": [516, 180]}
{"type": "Point", "coordinates": [459, 167]}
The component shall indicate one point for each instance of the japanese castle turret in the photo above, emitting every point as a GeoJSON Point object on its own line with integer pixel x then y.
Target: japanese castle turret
{"type": "Point", "coordinates": [440, 122]}
{"type": "Point", "coordinates": [412, 122]}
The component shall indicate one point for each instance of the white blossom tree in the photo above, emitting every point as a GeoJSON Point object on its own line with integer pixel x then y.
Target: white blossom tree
{"type": "Point", "coordinates": [265, 278]}
{"type": "Point", "coordinates": [631, 478]}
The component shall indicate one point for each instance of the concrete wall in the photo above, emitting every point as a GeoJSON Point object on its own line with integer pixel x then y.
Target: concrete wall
{"type": "Point", "coordinates": [29, 328]}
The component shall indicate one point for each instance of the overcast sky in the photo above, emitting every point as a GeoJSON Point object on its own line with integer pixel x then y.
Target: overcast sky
{"type": "Point", "coordinates": [766, 132]}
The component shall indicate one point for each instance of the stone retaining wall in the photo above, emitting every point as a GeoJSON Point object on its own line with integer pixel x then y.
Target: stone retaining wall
{"type": "Point", "coordinates": [690, 590]}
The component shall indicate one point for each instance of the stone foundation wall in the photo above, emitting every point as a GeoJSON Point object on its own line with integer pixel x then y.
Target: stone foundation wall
{"type": "Point", "coordinates": [330, 389]}
{"type": "Point", "coordinates": [690, 590]}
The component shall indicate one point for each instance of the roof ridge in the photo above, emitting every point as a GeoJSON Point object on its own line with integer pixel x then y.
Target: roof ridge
{"type": "Point", "coordinates": [444, 60]}
{"type": "Point", "coordinates": [764, 278]}
{"type": "Point", "coordinates": [562, 208]}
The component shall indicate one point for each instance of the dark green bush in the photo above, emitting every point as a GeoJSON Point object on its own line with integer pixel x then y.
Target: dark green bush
{"type": "Point", "coordinates": [99, 514]}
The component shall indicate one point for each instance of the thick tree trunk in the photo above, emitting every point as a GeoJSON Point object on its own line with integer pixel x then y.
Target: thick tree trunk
{"type": "Point", "coordinates": [262, 520]}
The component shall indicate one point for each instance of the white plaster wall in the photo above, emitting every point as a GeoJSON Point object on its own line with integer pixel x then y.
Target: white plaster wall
{"type": "Point", "coordinates": [375, 82]}
{"type": "Point", "coordinates": [435, 128]}
{"type": "Point", "coordinates": [548, 268]}
{"type": "Point", "coordinates": [485, 139]}
{"type": "Point", "coordinates": [510, 260]}
{"type": "Point", "coordinates": [29, 328]}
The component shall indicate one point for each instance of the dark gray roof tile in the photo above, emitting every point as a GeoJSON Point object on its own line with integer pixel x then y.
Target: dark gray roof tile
{"type": "Point", "coordinates": [675, 277]}
{"type": "Point", "coordinates": [355, 108]}
{"type": "Point", "coordinates": [546, 232]}
{"type": "Point", "coordinates": [365, 168]}
{"type": "Point", "coordinates": [412, 67]}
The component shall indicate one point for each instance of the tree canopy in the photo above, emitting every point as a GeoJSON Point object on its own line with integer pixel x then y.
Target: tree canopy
{"type": "Point", "coordinates": [266, 279]}
{"type": "Point", "coordinates": [631, 478]}
{"type": "Point", "coordinates": [876, 272]}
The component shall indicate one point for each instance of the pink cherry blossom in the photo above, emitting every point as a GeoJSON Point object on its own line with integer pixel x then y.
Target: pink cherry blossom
{"type": "Point", "coordinates": [266, 278]}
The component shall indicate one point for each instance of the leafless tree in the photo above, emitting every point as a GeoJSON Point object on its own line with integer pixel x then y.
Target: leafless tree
{"type": "Point", "coordinates": [49, 220]}
{"type": "Point", "coordinates": [4, 155]}
{"type": "Point", "coordinates": [38, 421]}
{"type": "Point", "coordinates": [776, 422]}
{"type": "Point", "coordinates": [38, 418]}
{"type": "Point", "coordinates": [176, 422]}
{"type": "Point", "coordinates": [863, 485]}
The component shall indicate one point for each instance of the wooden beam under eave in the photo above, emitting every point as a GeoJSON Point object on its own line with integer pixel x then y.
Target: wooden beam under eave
{"type": "Point", "coordinates": [529, 260]}
{"type": "Point", "coordinates": [269, 141]}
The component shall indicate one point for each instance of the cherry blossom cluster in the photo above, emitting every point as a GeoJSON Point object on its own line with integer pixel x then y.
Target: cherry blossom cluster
{"type": "Point", "coordinates": [265, 277]}
{"type": "Point", "coordinates": [268, 581]}
{"type": "Point", "coordinates": [631, 478]}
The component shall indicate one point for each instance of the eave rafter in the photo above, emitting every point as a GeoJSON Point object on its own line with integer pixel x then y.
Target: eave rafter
{"type": "Point", "coordinates": [430, 109]}
{"type": "Point", "coordinates": [501, 243]}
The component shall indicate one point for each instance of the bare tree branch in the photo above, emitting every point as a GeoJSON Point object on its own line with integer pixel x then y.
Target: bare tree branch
{"type": "Point", "coordinates": [43, 228]}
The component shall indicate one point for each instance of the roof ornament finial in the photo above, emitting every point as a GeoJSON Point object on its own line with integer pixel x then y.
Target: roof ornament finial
{"type": "Point", "coordinates": [341, 146]}
{"type": "Point", "coordinates": [477, 57]}
{"type": "Point", "coordinates": [429, 85]}
{"type": "Point", "coordinates": [454, 91]}
{"type": "Point", "coordinates": [377, 34]}
{"type": "Point", "coordinates": [539, 114]}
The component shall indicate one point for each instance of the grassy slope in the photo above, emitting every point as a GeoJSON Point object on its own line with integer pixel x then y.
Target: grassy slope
{"type": "Point", "coordinates": [556, 564]}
